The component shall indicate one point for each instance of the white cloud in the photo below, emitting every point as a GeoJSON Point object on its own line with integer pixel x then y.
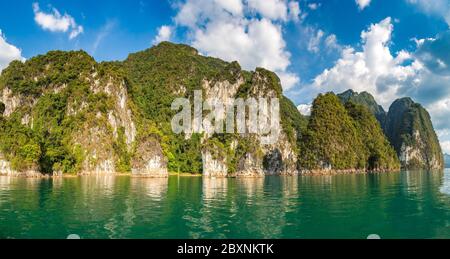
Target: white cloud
{"type": "Point", "coordinates": [288, 80]}
{"type": "Point", "coordinates": [232, 6]}
{"type": "Point", "coordinates": [445, 146]}
{"type": "Point", "coordinates": [294, 11]}
{"type": "Point", "coordinates": [250, 32]}
{"type": "Point", "coordinates": [164, 34]}
{"type": "Point", "coordinates": [270, 9]}
{"type": "Point", "coordinates": [331, 42]}
{"type": "Point", "coordinates": [314, 42]}
{"type": "Point", "coordinates": [256, 43]}
{"type": "Point", "coordinates": [374, 69]}
{"type": "Point", "coordinates": [389, 76]}
{"type": "Point", "coordinates": [434, 7]}
{"type": "Point", "coordinates": [314, 6]}
{"type": "Point", "coordinates": [444, 136]}
{"type": "Point", "coordinates": [319, 42]}
{"type": "Point", "coordinates": [55, 22]}
{"type": "Point", "coordinates": [305, 109]}
{"type": "Point", "coordinates": [362, 4]}
{"type": "Point", "coordinates": [8, 52]}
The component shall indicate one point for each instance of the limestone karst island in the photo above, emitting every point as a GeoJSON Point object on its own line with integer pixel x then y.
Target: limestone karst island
{"type": "Point", "coordinates": [64, 113]}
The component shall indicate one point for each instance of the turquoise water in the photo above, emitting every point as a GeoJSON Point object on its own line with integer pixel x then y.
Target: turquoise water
{"type": "Point", "coordinates": [395, 205]}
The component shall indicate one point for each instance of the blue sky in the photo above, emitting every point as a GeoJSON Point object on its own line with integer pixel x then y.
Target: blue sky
{"type": "Point", "coordinates": [389, 48]}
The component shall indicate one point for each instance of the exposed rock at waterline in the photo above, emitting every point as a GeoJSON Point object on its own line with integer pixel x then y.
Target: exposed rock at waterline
{"type": "Point", "coordinates": [410, 130]}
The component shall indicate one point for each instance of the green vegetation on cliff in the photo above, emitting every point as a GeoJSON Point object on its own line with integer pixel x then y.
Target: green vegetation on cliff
{"type": "Point", "coordinates": [63, 101]}
{"type": "Point", "coordinates": [365, 99]}
{"type": "Point", "coordinates": [159, 75]}
{"type": "Point", "coordinates": [378, 152]}
{"type": "Point", "coordinates": [63, 113]}
{"type": "Point", "coordinates": [342, 137]}
{"type": "Point", "coordinates": [39, 134]}
{"type": "Point", "coordinates": [408, 128]}
{"type": "Point", "coordinates": [411, 132]}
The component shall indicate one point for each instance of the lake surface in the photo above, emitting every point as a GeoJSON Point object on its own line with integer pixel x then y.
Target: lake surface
{"type": "Point", "coordinates": [395, 205]}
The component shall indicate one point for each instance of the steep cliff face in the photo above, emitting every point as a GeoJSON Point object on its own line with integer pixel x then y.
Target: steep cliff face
{"type": "Point", "coordinates": [213, 165]}
{"type": "Point", "coordinates": [65, 113]}
{"type": "Point", "coordinates": [410, 130]}
{"type": "Point", "coordinates": [80, 116]}
{"type": "Point", "coordinates": [75, 116]}
{"type": "Point", "coordinates": [167, 71]}
{"type": "Point", "coordinates": [247, 156]}
{"type": "Point", "coordinates": [408, 127]}
{"type": "Point", "coordinates": [345, 138]}
{"type": "Point", "coordinates": [149, 160]}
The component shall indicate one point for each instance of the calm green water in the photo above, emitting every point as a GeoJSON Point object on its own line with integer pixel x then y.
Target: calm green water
{"type": "Point", "coordinates": [397, 205]}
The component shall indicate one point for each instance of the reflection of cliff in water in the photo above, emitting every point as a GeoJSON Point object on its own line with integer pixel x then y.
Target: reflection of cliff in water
{"type": "Point", "coordinates": [264, 200]}
{"type": "Point", "coordinates": [98, 183]}
{"type": "Point", "coordinates": [268, 205]}
{"type": "Point", "coordinates": [445, 188]}
{"type": "Point", "coordinates": [417, 182]}
{"type": "Point", "coordinates": [153, 188]}
{"type": "Point", "coordinates": [214, 188]}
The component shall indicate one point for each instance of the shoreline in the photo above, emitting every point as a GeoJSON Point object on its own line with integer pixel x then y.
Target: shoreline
{"type": "Point", "coordinates": [44, 176]}
{"type": "Point", "coordinates": [302, 173]}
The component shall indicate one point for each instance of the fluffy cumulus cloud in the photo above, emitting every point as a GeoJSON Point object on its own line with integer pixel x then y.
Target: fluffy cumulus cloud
{"type": "Point", "coordinates": [372, 69]}
{"type": "Point", "coordinates": [362, 3]}
{"type": "Point", "coordinates": [250, 32]}
{"type": "Point", "coordinates": [305, 109]}
{"type": "Point", "coordinates": [8, 52]}
{"type": "Point", "coordinates": [55, 22]}
{"type": "Point", "coordinates": [271, 9]}
{"type": "Point", "coordinates": [164, 34]}
{"type": "Point", "coordinates": [434, 7]}
{"type": "Point", "coordinates": [423, 74]}
{"type": "Point", "coordinates": [445, 146]}
{"type": "Point", "coordinates": [444, 135]}
{"type": "Point", "coordinates": [435, 53]}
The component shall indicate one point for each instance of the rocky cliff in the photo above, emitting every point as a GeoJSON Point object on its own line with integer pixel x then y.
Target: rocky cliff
{"type": "Point", "coordinates": [345, 138]}
{"type": "Point", "coordinates": [410, 130]}
{"type": "Point", "coordinates": [66, 113]}
{"type": "Point", "coordinates": [75, 115]}
{"type": "Point", "coordinates": [408, 127]}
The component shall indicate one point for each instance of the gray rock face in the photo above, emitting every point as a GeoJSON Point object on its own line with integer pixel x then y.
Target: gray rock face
{"type": "Point", "coordinates": [214, 166]}
{"type": "Point", "coordinates": [149, 160]}
{"type": "Point", "coordinates": [410, 131]}
{"type": "Point", "coordinates": [10, 101]}
{"type": "Point", "coordinates": [5, 169]}
{"type": "Point", "coordinates": [278, 158]}
{"type": "Point", "coordinates": [109, 135]}
{"type": "Point", "coordinates": [250, 166]}
{"type": "Point", "coordinates": [408, 127]}
{"type": "Point", "coordinates": [95, 140]}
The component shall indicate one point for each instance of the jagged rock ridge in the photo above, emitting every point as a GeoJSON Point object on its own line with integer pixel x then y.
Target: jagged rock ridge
{"type": "Point", "coordinates": [65, 113]}
{"type": "Point", "coordinates": [409, 129]}
{"type": "Point", "coordinates": [79, 116]}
